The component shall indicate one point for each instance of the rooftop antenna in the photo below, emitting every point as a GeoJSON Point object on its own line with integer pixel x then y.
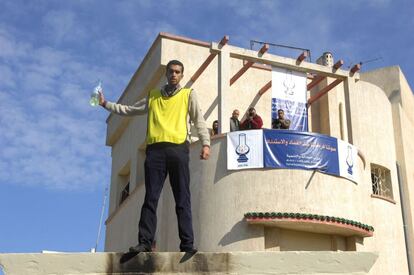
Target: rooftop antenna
{"type": "Point", "coordinates": [93, 250]}
{"type": "Point", "coordinates": [252, 42]}
{"type": "Point", "coordinates": [367, 61]}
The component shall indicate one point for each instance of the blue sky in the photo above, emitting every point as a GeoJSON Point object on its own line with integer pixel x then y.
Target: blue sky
{"type": "Point", "coordinates": [54, 165]}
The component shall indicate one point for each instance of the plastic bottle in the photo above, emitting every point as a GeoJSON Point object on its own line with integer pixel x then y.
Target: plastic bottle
{"type": "Point", "coordinates": [94, 101]}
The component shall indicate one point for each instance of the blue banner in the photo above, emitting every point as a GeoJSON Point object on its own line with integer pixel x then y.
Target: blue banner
{"type": "Point", "coordinates": [299, 150]}
{"type": "Point", "coordinates": [285, 149]}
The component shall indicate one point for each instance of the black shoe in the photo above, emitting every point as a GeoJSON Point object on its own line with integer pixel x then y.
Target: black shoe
{"type": "Point", "coordinates": [190, 250]}
{"type": "Point", "coordinates": [139, 248]}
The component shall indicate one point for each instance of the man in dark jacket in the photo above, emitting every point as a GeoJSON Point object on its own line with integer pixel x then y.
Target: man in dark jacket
{"type": "Point", "coordinates": [253, 120]}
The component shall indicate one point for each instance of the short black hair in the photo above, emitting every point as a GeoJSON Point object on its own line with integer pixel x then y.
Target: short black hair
{"type": "Point", "coordinates": [281, 110]}
{"type": "Point", "coordinates": [176, 62]}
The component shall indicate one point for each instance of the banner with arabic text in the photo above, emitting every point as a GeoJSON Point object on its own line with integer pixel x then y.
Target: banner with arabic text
{"type": "Point", "coordinates": [285, 149]}
{"type": "Point", "coordinates": [302, 150]}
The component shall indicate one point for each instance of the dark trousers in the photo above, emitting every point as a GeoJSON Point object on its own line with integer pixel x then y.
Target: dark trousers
{"type": "Point", "coordinates": [163, 158]}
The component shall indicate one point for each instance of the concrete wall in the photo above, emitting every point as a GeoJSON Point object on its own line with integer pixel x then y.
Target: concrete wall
{"type": "Point", "coordinates": [325, 115]}
{"type": "Point", "coordinates": [304, 263]}
{"type": "Point", "coordinates": [393, 83]}
{"type": "Point", "coordinates": [221, 198]}
{"type": "Point", "coordinates": [374, 135]}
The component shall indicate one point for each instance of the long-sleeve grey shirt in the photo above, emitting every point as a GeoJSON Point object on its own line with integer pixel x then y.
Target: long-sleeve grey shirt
{"type": "Point", "coordinates": [140, 107]}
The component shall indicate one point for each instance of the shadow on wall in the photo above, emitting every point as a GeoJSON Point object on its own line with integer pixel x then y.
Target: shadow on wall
{"type": "Point", "coordinates": [211, 108]}
{"type": "Point", "coordinates": [395, 96]}
{"type": "Point", "coordinates": [235, 234]}
{"type": "Point", "coordinates": [221, 163]}
{"type": "Point", "coordinates": [221, 170]}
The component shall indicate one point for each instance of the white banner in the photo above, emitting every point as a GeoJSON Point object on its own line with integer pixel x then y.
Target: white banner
{"type": "Point", "coordinates": [288, 85]}
{"type": "Point", "coordinates": [245, 149]}
{"type": "Point", "coordinates": [347, 158]}
{"type": "Point", "coordinates": [289, 93]}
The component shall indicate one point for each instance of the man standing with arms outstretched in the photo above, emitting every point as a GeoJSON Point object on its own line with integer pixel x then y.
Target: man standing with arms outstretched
{"type": "Point", "coordinates": [170, 110]}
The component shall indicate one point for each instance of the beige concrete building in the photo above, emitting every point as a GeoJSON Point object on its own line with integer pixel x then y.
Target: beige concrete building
{"type": "Point", "coordinates": [373, 111]}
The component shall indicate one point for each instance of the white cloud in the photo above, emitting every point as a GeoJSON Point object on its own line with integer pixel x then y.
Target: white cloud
{"type": "Point", "coordinates": [49, 135]}
{"type": "Point", "coordinates": [9, 47]}
{"type": "Point", "coordinates": [44, 102]}
{"type": "Point", "coordinates": [52, 148]}
{"type": "Point", "coordinates": [357, 4]}
{"type": "Point", "coordinates": [7, 77]}
{"type": "Point", "coordinates": [145, 30]}
{"type": "Point", "coordinates": [62, 26]}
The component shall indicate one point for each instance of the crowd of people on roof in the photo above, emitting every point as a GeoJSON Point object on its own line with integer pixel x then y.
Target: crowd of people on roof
{"type": "Point", "coordinates": [251, 121]}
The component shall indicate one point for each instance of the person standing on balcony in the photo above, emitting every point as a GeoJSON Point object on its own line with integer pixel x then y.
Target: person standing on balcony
{"type": "Point", "coordinates": [253, 120]}
{"type": "Point", "coordinates": [281, 122]}
{"type": "Point", "coordinates": [234, 121]}
{"type": "Point", "coordinates": [214, 129]}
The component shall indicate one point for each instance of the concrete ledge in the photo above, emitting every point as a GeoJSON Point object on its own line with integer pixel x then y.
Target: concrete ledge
{"type": "Point", "coordinates": [314, 226]}
{"type": "Point", "coordinates": [302, 262]}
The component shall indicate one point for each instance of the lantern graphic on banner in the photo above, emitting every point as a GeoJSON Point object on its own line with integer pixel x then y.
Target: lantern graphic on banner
{"type": "Point", "coordinates": [349, 160]}
{"type": "Point", "coordinates": [242, 149]}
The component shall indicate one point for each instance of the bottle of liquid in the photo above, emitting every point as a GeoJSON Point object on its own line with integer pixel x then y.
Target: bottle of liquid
{"type": "Point", "coordinates": [94, 101]}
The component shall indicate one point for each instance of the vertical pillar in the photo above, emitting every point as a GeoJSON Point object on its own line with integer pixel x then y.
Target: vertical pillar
{"type": "Point", "coordinates": [342, 123]}
{"type": "Point", "coordinates": [324, 110]}
{"type": "Point", "coordinates": [349, 89]}
{"type": "Point", "coordinates": [354, 243]}
{"type": "Point", "coordinates": [223, 90]}
{"type": "Point", "coordinates": [272, 238]}
{"type": "Point", "coordinates": [336, 126]}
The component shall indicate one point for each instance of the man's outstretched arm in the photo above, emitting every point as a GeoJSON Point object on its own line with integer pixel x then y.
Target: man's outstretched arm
{"type": "Point", "coordinates": [138, 108]}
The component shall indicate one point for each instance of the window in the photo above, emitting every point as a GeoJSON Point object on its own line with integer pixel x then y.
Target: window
{"type": "Point", "coordinates": [381, 181]}
{"type": "Point", "coordinates": [124, 193]}
{"type": "Point", "coordinates": [123, 183]}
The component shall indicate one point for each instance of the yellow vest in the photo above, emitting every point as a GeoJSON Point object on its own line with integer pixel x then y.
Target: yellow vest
{"type": "Point", "coordinates": [167, 117]}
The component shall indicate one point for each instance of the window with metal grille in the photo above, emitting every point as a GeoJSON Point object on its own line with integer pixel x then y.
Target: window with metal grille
{"type": "Point", "coordinates": [381, 181]}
